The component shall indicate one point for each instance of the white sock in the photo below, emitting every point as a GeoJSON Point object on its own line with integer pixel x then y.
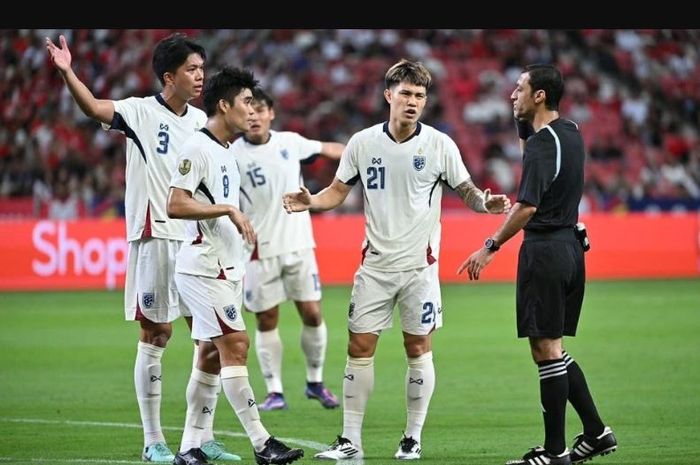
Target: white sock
{"type": "Point", "coordinates": [313, 343]}
{"type": "Point", "coordinates": [268, 346]}
{"type": "Point", "coordinates": [358, 384]}
{"type": "Point", "coordinates": [147, 380]}
{"type": "Point", "coordinates": [208, 430]}
{"type": "Point", "coordinates": [234, 380]}
{"type": "Point", "coordinates": [420, 384]}
{"type": "Point", "coordinates": [201, 399]}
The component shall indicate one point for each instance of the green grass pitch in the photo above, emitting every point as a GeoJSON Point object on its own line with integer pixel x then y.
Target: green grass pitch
{"type": "Point", "coordinates": [67, 396]}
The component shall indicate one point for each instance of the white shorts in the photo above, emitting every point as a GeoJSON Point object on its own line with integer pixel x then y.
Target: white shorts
{"type": "Point", "coordinates": [270, 281]}
{"type": "Point", "coordinates": [375, 293]}
{"type": "Point", "coordinates": [215, 305]}
{"type": "Point", "coordinates": [149, 290]}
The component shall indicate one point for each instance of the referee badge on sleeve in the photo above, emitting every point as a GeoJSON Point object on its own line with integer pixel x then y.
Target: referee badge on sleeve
{"type": "Point", "coordinates": [185, 167]}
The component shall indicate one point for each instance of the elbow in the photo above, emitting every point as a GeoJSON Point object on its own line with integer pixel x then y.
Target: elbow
{"type": "Point", "coordinates": [173, 211]}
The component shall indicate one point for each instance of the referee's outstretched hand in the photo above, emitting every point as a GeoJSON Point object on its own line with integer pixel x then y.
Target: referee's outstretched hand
{"type": "Point", "coordinates": [476, 262]}
{"type": "Point", "coordinates": [496, 203]}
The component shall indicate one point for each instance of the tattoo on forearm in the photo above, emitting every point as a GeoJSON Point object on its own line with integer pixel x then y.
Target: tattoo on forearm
{"type": "Point", "coordinates": [472, 196]}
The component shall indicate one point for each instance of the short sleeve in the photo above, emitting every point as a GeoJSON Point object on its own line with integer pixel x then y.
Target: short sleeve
{"type": "Point", "coordinates": [126, 114]}
{"type": "Point", "coordinates": [306, 148]}
{"type": "Point", "coordinates": [190, 171]}
{"type": "Point", "coordinates": [348, 169]}
{"type": "Point", "coordinates": [454, 172]}
{"type": "Point", "coordinates": [539, 168]}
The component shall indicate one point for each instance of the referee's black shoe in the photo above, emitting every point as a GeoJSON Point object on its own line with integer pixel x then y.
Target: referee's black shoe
{"type": "Point", "coordinates": [586, 447]}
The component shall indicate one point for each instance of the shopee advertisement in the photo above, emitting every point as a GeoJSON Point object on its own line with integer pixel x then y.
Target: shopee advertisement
{"type": "Point", "coordinates": [92, 254]}
{"type": "Point", "coordinates": [52, 255]}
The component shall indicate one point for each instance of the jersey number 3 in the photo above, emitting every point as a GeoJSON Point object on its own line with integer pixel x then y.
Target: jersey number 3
{"type": "Point", "coordinates": [164, 139]}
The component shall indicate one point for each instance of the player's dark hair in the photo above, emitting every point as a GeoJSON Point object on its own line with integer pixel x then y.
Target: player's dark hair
{"type": "Point", "coordinates": [226, 84]}
{"type": "Point", "coordinates": [261, 96]}
{"type": "Point", "coordinates": [172, 52]}
{"type": "Point", "coordinates": [547, 78]}
{"type": "Point", "coordinates": [412, 72]}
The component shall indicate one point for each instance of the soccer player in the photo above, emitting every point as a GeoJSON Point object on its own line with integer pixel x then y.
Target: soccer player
{"type": "Point", "coordinates": [283, 264]}
{"type": "Point", "coordinates": [401, 165]}
{"type": "Point", "coordinates": [156, 128]}
{"type": "Point", "coordinates": [210, 265]}
{"type": "Point", "coordinates": [551, 267]}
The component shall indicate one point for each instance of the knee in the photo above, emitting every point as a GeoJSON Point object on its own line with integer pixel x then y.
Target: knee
{"type": "Point", "coordinates": [209, 358]}
{"type": "Point", "coordinates": [359, 348]}
{"type": "Point", "coordinates": [156, 336]}
{"type": "Point", "coordinates": [310, 313]}
{"type": "Point", "coordinates": [267, 320]}
{"type": "Point", "coordinates": [415, 347]}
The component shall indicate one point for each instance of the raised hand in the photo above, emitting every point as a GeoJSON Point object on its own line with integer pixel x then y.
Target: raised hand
{"type": "Point", "coordinates": [60, 57]}
{"type": "Point", "coordinates": [496, 203]}
{"type": "Point", "coordinates": [243, 225]}
{"type": "Point", "coordinates": [297, 201]}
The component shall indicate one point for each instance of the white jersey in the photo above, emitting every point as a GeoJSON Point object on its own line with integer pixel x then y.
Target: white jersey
{"type": "Point", "coordinates": [213, 248]}
{"type": "Point", "coordinates": [268, 171]}
{"type": "Point", "coordinates": [155, 134]}
{"type": "Point", "coordinates": [402, 184]}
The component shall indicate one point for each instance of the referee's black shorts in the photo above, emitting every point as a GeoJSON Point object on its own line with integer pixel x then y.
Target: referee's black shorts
{"type": "Point", "coordinates": [551, 283]}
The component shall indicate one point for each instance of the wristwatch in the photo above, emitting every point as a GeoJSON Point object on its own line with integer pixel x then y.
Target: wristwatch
{"type": "Point", "coordinates": [491, 245]}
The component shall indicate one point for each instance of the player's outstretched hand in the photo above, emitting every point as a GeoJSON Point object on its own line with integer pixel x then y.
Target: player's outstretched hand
{"type": "Point", "coordinates": [297, 201]}
{"type": "Point", "coordinates": [496, 203]}
{"type": "Point", "coordinates": [59, 56]}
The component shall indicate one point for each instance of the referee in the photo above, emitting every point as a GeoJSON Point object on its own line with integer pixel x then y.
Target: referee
{"type": "Point", "coordinates": [551, 268]}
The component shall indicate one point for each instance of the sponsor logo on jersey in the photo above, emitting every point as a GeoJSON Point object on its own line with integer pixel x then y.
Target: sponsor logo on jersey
{"type": "Point", "coordinates": [377, 161]}
{"type": "Point", "coordinates": [148, 299]}
{"type": "Point", "coordinates": [230, 312]}
{"type": "Point", "coordinates": [418, 162]}
{"type": "Point", "coordinates": [185, 167]}
{"type": "Point", "coordinates": [285, 154]}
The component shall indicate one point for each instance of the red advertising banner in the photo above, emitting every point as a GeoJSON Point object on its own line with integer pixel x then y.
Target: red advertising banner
{"type": "Point", "coordinates": [92, 254]}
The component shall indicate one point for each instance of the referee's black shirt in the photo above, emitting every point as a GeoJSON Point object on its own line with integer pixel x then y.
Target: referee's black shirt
{"type": "Point", "coordinates": [552, 178]}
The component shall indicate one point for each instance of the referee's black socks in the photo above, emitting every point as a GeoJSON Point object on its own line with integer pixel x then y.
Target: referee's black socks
{"type": "Point", "coordinates": [580, 397]}
{"type": "Point", "coordinates": [554, 390]}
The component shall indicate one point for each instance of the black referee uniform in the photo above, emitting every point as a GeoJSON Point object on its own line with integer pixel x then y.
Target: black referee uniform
{"type": "Point", "coordinates": [551, 269]}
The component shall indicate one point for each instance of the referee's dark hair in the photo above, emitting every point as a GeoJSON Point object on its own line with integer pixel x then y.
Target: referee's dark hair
{"type": "Point", "coordinates": [547, 78]}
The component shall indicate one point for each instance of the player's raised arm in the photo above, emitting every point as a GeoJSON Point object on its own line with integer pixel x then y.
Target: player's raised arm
{"type": "Point", "coordinates": [101, 110]}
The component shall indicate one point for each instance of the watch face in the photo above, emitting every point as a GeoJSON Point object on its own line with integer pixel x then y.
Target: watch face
{"type": "Point", "coordinates": [489, 243]}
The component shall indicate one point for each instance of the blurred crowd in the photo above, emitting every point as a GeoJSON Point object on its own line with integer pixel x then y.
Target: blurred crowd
{"type": "Point", "coordinates": [634, 93]}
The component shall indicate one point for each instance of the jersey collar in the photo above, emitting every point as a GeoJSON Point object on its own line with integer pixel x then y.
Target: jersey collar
{"type": "Point", "coordinates": [385, 128]}
{"type": "Point", "coordinates": [213, 137]}
{"type": "Point", "coordinates": [162, 101]}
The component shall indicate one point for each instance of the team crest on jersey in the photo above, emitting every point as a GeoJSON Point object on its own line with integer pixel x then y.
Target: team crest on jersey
{"type": "Point", "coordinates": [148, 299]}
{"type": "Point", "coordinates": [418, 162]}
{"type": "Point", "coordinates": [231, 312]}
{"type": "Point", "coordinates": [285, 154]}
{"type": "Point", "coordinates": [185, 167]}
